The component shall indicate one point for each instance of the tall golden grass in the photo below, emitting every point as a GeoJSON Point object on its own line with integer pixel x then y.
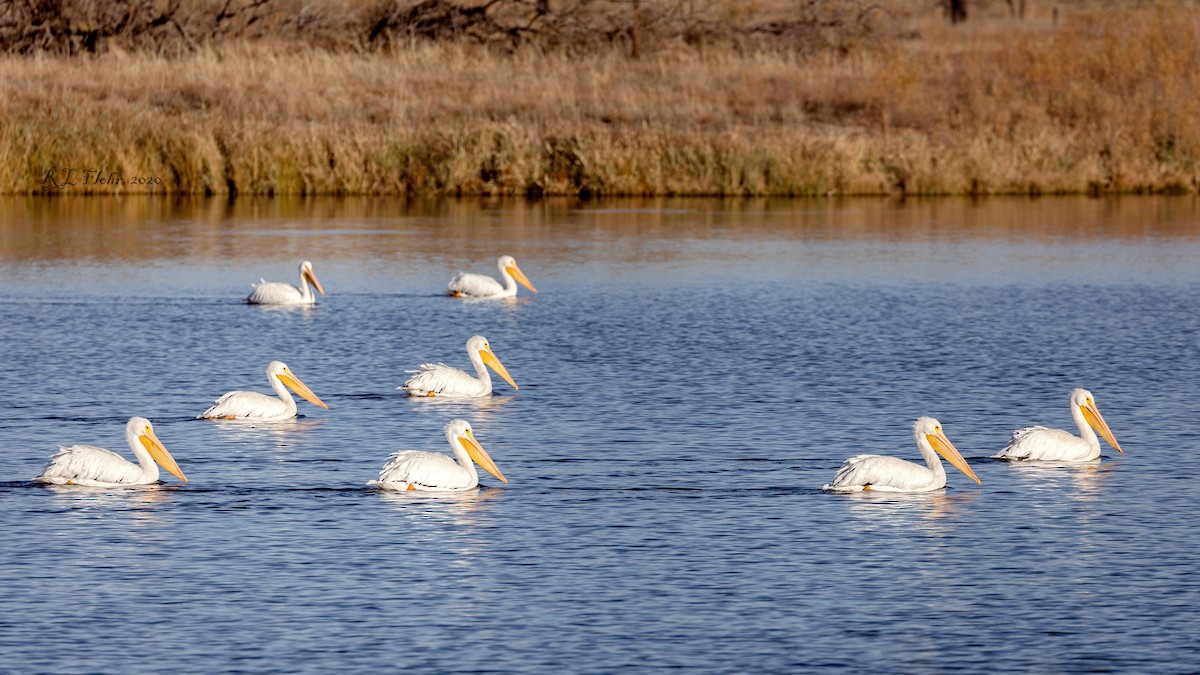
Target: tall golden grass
{"type": "Point", "coordinates": [1090, 101]}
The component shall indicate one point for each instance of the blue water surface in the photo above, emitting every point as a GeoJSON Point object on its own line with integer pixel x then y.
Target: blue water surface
{"type": "Point", "coordinates": [690, 374]}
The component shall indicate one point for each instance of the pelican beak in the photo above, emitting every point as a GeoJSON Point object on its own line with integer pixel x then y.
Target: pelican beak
{"type": "Point", "coordinates": [1094, 418]}
{"type": "Point", "coordinates": [477, 453]}
{"type": "Point", "coordinates": [520, 277]}
{"type": "Point", "coordinates": [311, 277]}
{"type": "Point", "coordinates": [159, 453]}
{"type": "Point", "coordinates": [297, 386]}
{"type": "Point", "coordinates": [494, 363]}
{"type": "Point", "coordinates": [946, 449]}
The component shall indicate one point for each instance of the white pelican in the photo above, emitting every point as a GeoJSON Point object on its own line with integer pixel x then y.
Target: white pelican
{"type": "Point", "coordinates": [255, 406]}
{"type": "Point", "coordinates": [278, 293]}
{"type": "Point", "coordinates": [479, 286]}
{"type": "Point", "coordinates": [1056, 445]}
{"type": "Point", "coordinates": [439, 379]}
{"type": "Point", "coordinates": [416, 470]}
{"type": "Point", "coordinates": [97, 467]}
{"type": "Point", "coordinates": [890, 474]}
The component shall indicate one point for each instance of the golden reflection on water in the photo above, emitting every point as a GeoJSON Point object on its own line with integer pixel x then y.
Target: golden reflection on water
{"type": "Point", "coordinates": [148, 228]}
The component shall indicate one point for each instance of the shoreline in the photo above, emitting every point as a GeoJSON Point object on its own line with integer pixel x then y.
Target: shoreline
{"type": "Point", "coordinates": [1102, 103]}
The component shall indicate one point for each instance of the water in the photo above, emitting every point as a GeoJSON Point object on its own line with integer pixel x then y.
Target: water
{"type": "Point", "coordinates": [690, 375]}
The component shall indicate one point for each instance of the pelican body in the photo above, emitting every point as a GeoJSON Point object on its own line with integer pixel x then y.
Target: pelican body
{"type": "Point", "coordinates": [416, 470]}
{"type": "Point", "coordinates": [1056, 445]}
{"type": "Point", "coordinates": [439, 379]}
{"type": "Point", "coordinates": [891, 474]}
{"type": "Point", "coordinates": [278, 293]}
{"type": "Point", "coordinates": [479, 286]}
{"type": "Point", "coordinates": [252, 405]}
{"type": "Point", "coordinates": [96, 467]}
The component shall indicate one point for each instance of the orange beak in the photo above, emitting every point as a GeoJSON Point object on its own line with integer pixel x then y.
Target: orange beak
{"type": "Point", "coordinates": [292, 382]}
{"type": "Point", "coordinates": [159, 453]}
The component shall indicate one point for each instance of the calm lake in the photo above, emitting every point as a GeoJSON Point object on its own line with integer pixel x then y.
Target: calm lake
{"type": "Point", "coordinates": [690, 374]}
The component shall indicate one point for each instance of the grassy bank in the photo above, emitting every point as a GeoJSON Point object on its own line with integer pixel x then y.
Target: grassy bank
{"type": "Point", "coordinates": [1089, 101]}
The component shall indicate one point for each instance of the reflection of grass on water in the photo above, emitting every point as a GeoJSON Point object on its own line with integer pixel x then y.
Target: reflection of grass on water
{"type": "Point", "coordinates": [1089, 99]}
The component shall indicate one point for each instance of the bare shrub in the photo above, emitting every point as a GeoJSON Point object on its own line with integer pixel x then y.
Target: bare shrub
{"type": "Point", "coordinates": [72, 27]}
{"type": "Point", "coordinates": [634, 27]}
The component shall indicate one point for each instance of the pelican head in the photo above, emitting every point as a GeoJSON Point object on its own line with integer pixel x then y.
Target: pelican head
{"type": "Point", "coordinates": [1082, 399]}
{"type": "Point", "coordinates": [279, 369]}
{"type": "Point", "coordinates": [459, 433]}
{"type": "Point", "coordinates": [307, 274]}
{"type": "Point", "coordinates": [140, 428]}
{"type": "Point", "coordinates": [479, 345]}
{"type": "Point", "coordinates": [506, 263]}
{"type": "Point", "coordinates": [929, 430]}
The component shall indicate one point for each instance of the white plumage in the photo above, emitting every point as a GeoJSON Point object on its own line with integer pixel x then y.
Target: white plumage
{"type": "Point", "coordinates": [256, 406]}
{"type": "Point", "coordinates": [891, 474]}
{"type": "Point", "coordinates": [467, 285]}
{"type": "Point", "coordinates": [417, 470]}
{"type": "Point", "coordinates": [439, 379]}
{"type": "Point", "coordinates": [1056, 445]}
{"type": "Point", "coordinates": [91, 466]}
{"type": "Point", "coordinates": [278, 293]}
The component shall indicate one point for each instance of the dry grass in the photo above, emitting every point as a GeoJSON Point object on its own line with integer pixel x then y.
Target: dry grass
{"type": "Point", "coordinates": [1097, 101]}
